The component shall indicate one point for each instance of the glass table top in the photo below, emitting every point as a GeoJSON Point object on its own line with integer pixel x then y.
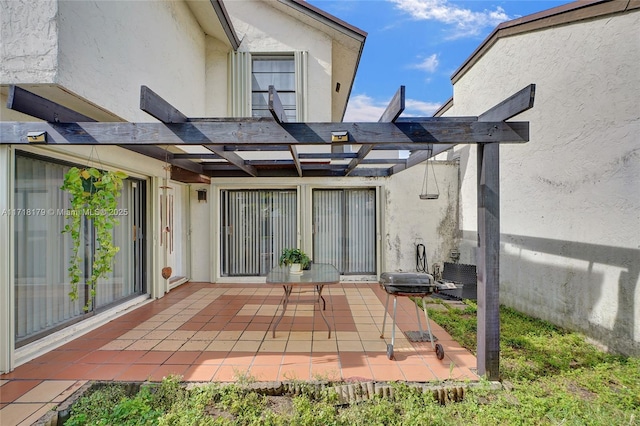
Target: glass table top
{"type": "Point", "coordinates": [319, 273]}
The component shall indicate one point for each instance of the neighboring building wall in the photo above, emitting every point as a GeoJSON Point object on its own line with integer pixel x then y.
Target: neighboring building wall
{"type": "Point", "coordinates": [570, 210]}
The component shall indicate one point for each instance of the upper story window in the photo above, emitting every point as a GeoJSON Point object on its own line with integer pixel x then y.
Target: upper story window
{"type": "Point", "coordinates": [278, 71]}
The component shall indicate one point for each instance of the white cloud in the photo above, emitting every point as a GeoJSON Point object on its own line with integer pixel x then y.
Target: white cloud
{"type": "Point", "coordinates": [466, 22]}
{"type": "Point", "coordinates": [429, 64]}
{"type": "Point", "coordinates": [415, 108]}
{"type": "Point", "coordinates": [363, 108]}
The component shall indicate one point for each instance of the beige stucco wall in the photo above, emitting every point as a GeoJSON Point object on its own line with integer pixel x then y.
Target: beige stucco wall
{"type": "Point", "coordinates": [570, 210]}
{"type": "Point", "coordinates": [28, 41]}
{"type": "Point", "coordinates": [109, 49]}
{"type": "Point", "coordinates": [410, 220]}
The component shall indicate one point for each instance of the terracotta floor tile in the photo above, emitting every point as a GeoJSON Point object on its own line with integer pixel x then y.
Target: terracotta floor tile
{"type": "Point", "coordinates": [74, 372]}
{"type": "Point", "coordinates": [359, 373]}
{"type": "Point", "coordinates": [182, 358]}
{"type": "Point", "coordinates": [168, 370]}
{"type": "Point", "coordinates": [328, 371]}
{"type": "Point", "coordinates": [295, 372]}
{"type": "Point", "coordinates": [268, 359]}
{"type": "Point", "coordinates": [211, 357]}
{"type": "Point", "coordinates": [200, 373]}
{"type": "Point", "coordinates": [13, 390]}
{"type": "Point", "coordinates": [265, 373]}
{"type": "Point", "coordinates": [106, 372]}
{"type": "Point", "coordinates": [240, 358]}
{"type": "Point", "coordinates": [387, 372]}
{"type": "Point", "coordinates": [221, 345]}
{"type": "Point", "coordinates": [229, 373]}
{"type": "Point", "coordinates": [137, 372]}
{"type": "Point", "coordinates": [418, 372]}
{"type": "Point", "coordinates": [245, 346]}
{"type": "Point", "coordinates": [154, 357]}
{"type": "Point", "coordinates": [47, 391]}
{"type": "Point", "coordinates": [125, 357]}
{"type": "Point", "coordinates": [15, 414]}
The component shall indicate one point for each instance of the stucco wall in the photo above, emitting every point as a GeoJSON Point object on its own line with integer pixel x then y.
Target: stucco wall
{"type": "Point", "coordinates": [28, 41]}
{"type": "Point", "coordinates": [570, 210]}
{"type": "Point", "coordinates": [410, 221]}
{"type": "Point", "coordinates": [109, 49]}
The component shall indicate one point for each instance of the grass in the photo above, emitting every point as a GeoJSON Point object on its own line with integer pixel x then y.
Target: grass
{"type": "Point", "coordinates": [551, 376]}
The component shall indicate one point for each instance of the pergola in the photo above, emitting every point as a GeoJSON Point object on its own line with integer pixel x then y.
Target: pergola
{"type": "Point", "coordinates": [222, 142]}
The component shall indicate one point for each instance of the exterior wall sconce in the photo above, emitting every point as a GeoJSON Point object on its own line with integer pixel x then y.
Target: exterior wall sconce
{"type": "Point", "coordinates": [202, 195]}
{"type": "Point", "coordinates": [340, 136]}
{"type": "Point", "coordinates": [37, 137]}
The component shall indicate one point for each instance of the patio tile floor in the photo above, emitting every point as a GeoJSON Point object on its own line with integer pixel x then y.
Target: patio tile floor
{"type": "Point", "coordinates": [221, 332]}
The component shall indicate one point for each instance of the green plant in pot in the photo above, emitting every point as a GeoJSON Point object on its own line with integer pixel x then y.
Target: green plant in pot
{"type": "Point", "coordinates": [94, 196]}
{"type": "Point", "coordinates": [296, 259]}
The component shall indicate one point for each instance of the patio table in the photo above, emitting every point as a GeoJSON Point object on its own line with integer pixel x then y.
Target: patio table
{"type": "Point", "coordinates": [315, 278]}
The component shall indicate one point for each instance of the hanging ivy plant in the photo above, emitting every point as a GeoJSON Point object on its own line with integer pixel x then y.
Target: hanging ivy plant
{"type": "Point", "coordinates": [94, 196]}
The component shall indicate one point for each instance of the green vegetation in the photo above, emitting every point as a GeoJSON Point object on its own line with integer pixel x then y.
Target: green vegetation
{"type": "Point", "coordinates": [94, 196]}
{"type": "Point", "coordinates": [291, 256]}
{"type": "Point", "coordinates": [551, 376]}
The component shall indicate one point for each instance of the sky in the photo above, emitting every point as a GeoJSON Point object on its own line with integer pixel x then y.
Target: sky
{"type": "Point", "coordinates": [418, 44]}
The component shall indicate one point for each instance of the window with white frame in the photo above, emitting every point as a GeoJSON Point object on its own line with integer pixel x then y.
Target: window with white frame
{"type": "Point", "coordinates": [277, 71]}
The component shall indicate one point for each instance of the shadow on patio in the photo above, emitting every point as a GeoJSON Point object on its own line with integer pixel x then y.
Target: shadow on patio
{"type": "Point", "coordinates": [221, 332]}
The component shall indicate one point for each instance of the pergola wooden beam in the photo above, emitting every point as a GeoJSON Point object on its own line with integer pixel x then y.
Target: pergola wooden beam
{"type": "Point", "coordinates": [29, 103]}
{"type": "Point", "coordinates": [278, 114]}
{"type": "Point", "coordinates": [266, 132]}
{"type": "Point", "coordinates": [515, 104]}
{"type": "Point", "coordinates": [390, 114]}
{"type": "Point", "coordinates": [156, 106]}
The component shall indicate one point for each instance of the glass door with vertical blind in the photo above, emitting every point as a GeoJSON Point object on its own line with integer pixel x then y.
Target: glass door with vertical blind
{"type": "Point", "coordinates": [42, 251]}
{"type": "Point", "coordinates": [256, 226]}
{"type": "Point", "coordinates": [344, 229]}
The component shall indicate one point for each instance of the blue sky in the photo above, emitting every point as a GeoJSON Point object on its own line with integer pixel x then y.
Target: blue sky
{"type": "Point", "coordinates": [418, 44]}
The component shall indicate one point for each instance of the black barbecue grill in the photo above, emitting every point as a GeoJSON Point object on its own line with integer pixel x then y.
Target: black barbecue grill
{"type": "Point", "coordinates": [410, 285]}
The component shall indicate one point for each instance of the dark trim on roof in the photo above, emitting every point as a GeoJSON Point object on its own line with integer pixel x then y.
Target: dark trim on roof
{"type": "Point", "coordinates": [561, 15]}
{"type": "Point", "coordinates": [339, 25]}
{"type": "Point", "coordinates": [326, 18]}
{"type": "Point", "coordinates": [225, 21]}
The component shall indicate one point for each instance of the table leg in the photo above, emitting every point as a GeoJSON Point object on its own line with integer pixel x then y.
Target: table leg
{"type": "Point", "coordinates": [319, 289]}
{"type": "Point", "coordinates": [284, 303]}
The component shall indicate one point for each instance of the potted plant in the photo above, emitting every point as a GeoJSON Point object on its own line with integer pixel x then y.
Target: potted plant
{"type": "Point", "coordinates": [295, 258]}
{"type": "Point", "coordinates": [94, 196]}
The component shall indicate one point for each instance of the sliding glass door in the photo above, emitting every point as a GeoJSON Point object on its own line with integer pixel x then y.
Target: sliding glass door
{"type": "Point", "coordinates": [42, 251]}
{"type": "Point", "coordinates": [256, 226]}
{"type": "Point", "coordinates": [344, 229]}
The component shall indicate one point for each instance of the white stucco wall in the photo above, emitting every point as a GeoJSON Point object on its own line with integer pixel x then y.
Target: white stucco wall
{"type": "Point", "coordinates": [109, 49]}
{"type": "Point", "coordinates": [264, 29]}
{"type": "Point", "coordinates": [570, 210]}
{"type": "Point", "coordinates": [409, 221]}
{"type": "Point", "coordinates": [28, 41]}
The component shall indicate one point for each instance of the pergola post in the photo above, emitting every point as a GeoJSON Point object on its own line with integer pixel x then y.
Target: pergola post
{"type": "Point", "coordinates": [488, 259]}
{"type": "Point", "coordinates": [488, 349]}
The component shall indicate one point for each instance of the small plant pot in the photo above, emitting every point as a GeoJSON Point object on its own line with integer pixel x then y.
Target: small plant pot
{"type": "Point", "coordinates": [295, 268]}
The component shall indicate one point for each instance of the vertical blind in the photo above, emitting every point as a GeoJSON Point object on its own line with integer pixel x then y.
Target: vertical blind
{"type": "Point", "coordinates": [42, 251]}
{"type": "Point", "coordinates": [256, 226]}
{"type": "Point", "coordinates": [344, 223]}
